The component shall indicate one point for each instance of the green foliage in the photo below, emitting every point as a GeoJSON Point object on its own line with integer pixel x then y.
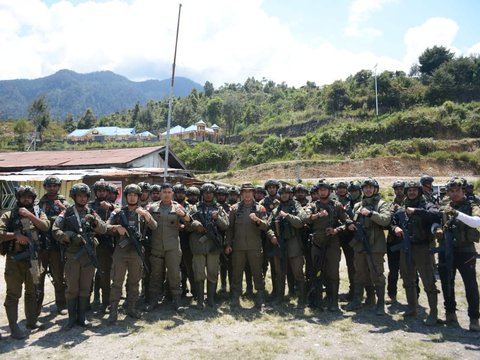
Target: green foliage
{"type": "Point", "coordinates": [272, 148]}
{"type": "Point", "coordinates": [204, 156]}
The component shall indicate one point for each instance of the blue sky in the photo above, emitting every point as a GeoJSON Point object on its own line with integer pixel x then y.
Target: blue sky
{"type": "Point", "coordinates": [229, 40]}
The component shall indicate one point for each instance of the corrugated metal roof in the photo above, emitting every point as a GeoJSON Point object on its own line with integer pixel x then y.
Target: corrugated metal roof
{"type": "Point", "coordinates": [38, 159]}
{"type": "Point", "coordinates": [114, 131]}
{"type": "Point", "coordinates": [40, 175]}
{"type": "Point", "coordinates": [145, 133]}
{"type": "Point", "coordinates": [79, 132]}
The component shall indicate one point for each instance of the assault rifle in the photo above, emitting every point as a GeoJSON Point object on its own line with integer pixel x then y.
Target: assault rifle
{"type": "Point", "coordinates": [85, 233]}
{"type": "Point", "coordinates": [406, 243]}
{"type": "Point", "coordinates": [212, 231]}
{"type": "Point", "coordinates": [135, 237]}
{"type": "Point", "coordinates": [447, 248]}
{"type": "Point", "coordinates": [362, 237]}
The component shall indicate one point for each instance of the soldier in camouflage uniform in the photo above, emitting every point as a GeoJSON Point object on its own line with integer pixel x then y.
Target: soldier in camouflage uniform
{"type": "Point", "coordinates": [461, 219]}
{"type": "Point", "coordinates": [470, 195]}
{"type": "Point", "coordinates": [19, 228]}
{"type": "Point", "coordinates": [52, 257]}
{"type": "Point", "coordinates": [270, 202]}
{"type": "Point", "coordinates": [393, 257]}
{"type": "Point", "coordinates": [221, 194]}
{"type": "Point", "coordinates": [179, 196]}
{"type": "Point", "coordinates": [103, 207]}
{"type": "Point", "coordinates": [233, 195]}
{"type": "Point", "coordinates": [414, 219]}
{"type": "Point", "coordinates": [373, 214]}
{"type": "Point", "coordinates": [247, 220]}
{"type": "Point", "coordinates": [193, 194]}
{"type": "Point", "coordinates": [74, 229]}
{"type": "Point", "coordinates": [144, 198]}
{"type": "Point", "coordinates": [327, 219]}
{"type": "Point", "coordinates": [344, 197]}
{"type": "Point", "coordinates": [206, 242]}
{"type": "Point", "coordinates": [427, 187]}
{"type": "Point", "coordinates": [155, 193]}
{"type": "Point", "coordinates": [165, 242]}
{"type": "Point", "coordinates": [285, 225]}
{"type": "Point", "coordinates": [126, 257]}
{"type": "Point", "coordinates": [300, 195]}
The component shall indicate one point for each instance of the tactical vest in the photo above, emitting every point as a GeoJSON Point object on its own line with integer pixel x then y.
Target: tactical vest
{"type": "Point", "coordinates": [464, 234]}
{"type": "Point", "coordinates": [15, 224]}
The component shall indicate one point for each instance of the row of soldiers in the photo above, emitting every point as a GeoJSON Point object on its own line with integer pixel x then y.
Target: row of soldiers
{"type": "Point", "coordinates": [159, 234]}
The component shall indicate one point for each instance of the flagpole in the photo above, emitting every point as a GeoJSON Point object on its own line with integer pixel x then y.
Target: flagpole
{"type": "Point", "coordinates": [170, 100]}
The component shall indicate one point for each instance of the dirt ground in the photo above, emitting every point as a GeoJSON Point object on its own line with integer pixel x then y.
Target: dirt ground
{"type": "Point", "coordinates": [279, 332]}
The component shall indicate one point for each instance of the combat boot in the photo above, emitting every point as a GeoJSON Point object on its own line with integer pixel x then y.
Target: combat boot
{"type": "Point", "coordinates": [61, 308]}
{"type": "Point", "coordinates": [412, 302]}
{"type": "Point", "coordinates": [451, 319]}
{"type": "Point", "coordinates": [200, 285]}
{"type": "Point", "coordinates": [474, 326]}
{"type": "Point", "coordinates": [333, 296]}
{"type": "Point", "coordinates": [280, 293]}
{"type": "Point", "coordinates": [39, 302]}
{"type": "Point", "coordinates": [12, 316]}
{"type": "Point", "coordinates": [83, 304]}
{"type": "Point", "coordinates": [260, 299]}
{"type": "Point", "coordinates": [31, 313]}
{"type": "Point", "coordinates": [370, 300]}
{"type": "Point", "coordinates": [301, 294]}
{"type": "Point", "coordinates": [235, 301]}
{"type": "Point", "coordinates": [211, 290]}
{"type": "Point", "coordinates": [132, 310]}
{"type": "Point", "coordinates": [113, 317]}
{"type": "Point", "coordinates": [72, 306]}
{"type": "Point", "coordinates": [176, 303]}
{"type": "Point", "coordinates": [380, 290]}
{"type": "Point", "coordinates": [432, 317]}
{"type": "Point", "coordinates": [357, 299]}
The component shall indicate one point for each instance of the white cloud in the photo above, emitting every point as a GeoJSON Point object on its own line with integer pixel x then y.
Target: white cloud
{"type": "Point", "coordinates": [474, 50]}
{"type": "Point", "coordinates": [434, 31]}
{"type": "Point", "coordinates": [359, 15]}
{"type": "Point", "coordinates": [220, 41]}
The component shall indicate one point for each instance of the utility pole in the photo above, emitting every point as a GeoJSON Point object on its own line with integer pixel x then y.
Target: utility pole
{"type": "Point", "coordinates": [170, 100]}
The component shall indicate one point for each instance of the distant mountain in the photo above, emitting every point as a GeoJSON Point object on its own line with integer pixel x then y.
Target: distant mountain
{"type": "Point", "coordinates": [69, 92]}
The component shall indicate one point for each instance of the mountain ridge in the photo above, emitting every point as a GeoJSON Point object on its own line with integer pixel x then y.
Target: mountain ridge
{"type": "Point", "coordinates": [69, 92]}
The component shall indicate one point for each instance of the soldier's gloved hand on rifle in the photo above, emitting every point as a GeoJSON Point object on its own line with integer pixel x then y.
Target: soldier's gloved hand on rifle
{"type": "Point", "coordinates": [331, 231]}
{"type": "Point", "coordinates": [76, 239]}
{"type": "Point", "coordinates": [200, 229]}
{"type": "Point", "coordinates": [21, 239]}
{"type": "Point", "coordinates": [448, 210]}
{"type": "Point", "coordinates": [65, 239]}
{"type": "Point", "coordinates": [352, 227]}
{"type": "Point", "coordinates": [91, 220]}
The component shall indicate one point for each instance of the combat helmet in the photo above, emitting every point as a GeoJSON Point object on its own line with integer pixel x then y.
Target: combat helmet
{"type": "Point", "coordinates": [25, 190]}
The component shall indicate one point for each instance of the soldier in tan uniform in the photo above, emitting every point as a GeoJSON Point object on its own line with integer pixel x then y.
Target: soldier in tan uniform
{"type": "Point", "coordinates": [165, 243]}
{"type": "Point", "coordinates": [285, 225]}
{"type": "Point", "coordinates": [327, 220]}
{"type": "Point", "coordinates": [52, 204]}
{"type": "Point", "coordinates": [247, 220]}
{"type": "Point", "coordinates": [371, 216]}
{"type": "Point", "coordinates": [19, 235]}
{"type": "Point", "coordinates": [206, 242]}
{"type": "Point", "coordinates": [75, 228]}
{"type": "Point", "coordinates": [129, 224]}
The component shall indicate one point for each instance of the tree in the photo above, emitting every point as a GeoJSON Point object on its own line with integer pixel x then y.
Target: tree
{"type": "Point", "coordinates": [39, 115]}
{"type": "Point", "coordinates": [232, 113]}
{"type": "Point", "coordinates": [336, 98]}
{"type": "Point", "coordinates": [214, 110]}
{"type": "Point", "coordinates": [145, 119]}
{"type": "Point", "coordinates": [208, 89]}
{"type": "Point", "coordinates": [88, 120]}
{"type": "Point", "coordinates": [136, 111]}
{"type": "Point", "coordinates": [432, 58]}
{"type": "Point", "coordinates": [69, 124]}
{"type": "Point", "coordinates": [20, 131]}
